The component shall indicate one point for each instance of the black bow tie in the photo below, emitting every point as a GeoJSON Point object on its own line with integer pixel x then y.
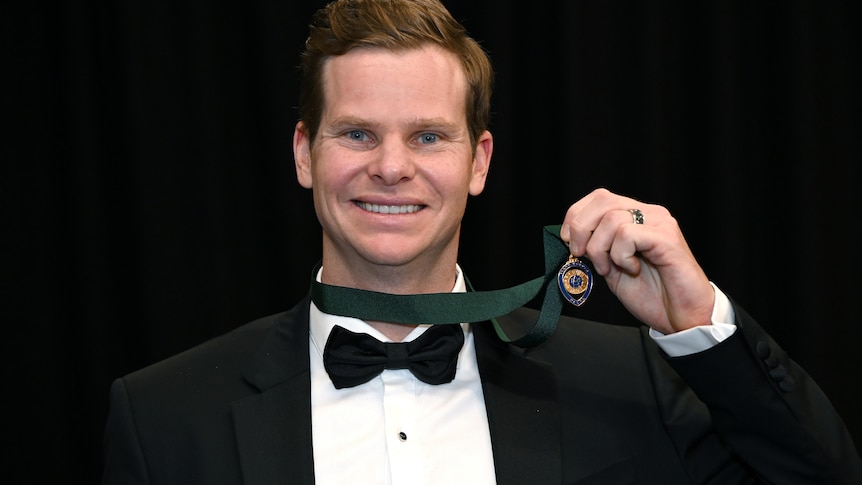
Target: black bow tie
{"type": "Point", "coordinates": [352, 358]}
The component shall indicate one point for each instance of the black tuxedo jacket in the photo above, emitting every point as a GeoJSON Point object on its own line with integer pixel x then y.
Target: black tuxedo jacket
{"type": "Point", "coordinates": [596, 403]}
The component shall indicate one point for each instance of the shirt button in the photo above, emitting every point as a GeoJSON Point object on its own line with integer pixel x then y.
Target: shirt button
{"type": "Point", "coordinates": [402, 436]}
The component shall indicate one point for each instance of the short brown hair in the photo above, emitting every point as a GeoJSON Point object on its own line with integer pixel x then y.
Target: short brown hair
{"type": "Point", "coordinates": [395, 25]}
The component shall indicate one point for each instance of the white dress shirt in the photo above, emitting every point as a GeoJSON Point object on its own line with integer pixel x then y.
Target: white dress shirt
{"type": "Point", "coordinates": [398, 430]}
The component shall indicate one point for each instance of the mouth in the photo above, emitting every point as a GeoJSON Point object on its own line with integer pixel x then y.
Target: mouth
{"type": "Point", "coordinates": [390, 209]}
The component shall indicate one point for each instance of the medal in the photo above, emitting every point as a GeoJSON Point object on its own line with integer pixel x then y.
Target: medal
{"type": "Point", "coordinates": [576, 281]}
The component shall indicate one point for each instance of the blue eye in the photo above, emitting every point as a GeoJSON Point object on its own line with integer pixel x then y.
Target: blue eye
{"type": "Point", "coordinates": [357, 135]}
{"type": "Point", "coordinates": [427, 138]}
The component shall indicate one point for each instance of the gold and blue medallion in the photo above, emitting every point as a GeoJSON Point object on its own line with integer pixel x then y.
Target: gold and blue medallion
{"type": "Point", "coordinates": [576, 281]}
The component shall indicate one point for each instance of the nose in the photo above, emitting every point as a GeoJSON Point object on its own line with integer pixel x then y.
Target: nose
{"type": "Point", "coordinates": [393, 163]}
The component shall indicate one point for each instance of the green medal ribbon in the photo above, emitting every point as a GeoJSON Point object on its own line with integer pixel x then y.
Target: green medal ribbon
{"type": "Point", "coordinates": [455, 308]}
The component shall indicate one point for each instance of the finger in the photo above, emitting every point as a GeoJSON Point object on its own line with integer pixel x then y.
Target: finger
{"type": "Point", "coordinates": [584, 216]}
{"type": "Point", "coordinates": [624, 251]}
{"type": "Point", "coordinates": [611, 231]}
{"type": "Point", "coordinates": [576, 230]}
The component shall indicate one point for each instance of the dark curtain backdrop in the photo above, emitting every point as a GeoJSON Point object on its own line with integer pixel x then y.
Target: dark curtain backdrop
{"type": "Point", "coordinates": [150, 200]}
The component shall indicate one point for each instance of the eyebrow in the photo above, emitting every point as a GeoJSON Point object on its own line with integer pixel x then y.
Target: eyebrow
{"type": "Point", "coordinates": [441, 123]}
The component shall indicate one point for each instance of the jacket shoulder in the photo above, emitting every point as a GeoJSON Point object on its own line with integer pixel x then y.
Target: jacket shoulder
{"type": "Point", "coordinates": [214, 366]}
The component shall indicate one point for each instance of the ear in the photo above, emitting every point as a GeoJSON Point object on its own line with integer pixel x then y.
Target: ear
{"type": "Point", "coordinates": [481, 162]}
{"type": "Point", "coordinates": [302, 155]}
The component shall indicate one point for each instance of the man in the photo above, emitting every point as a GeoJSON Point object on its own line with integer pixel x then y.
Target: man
{"type": "Point", "coordinates": [392, 141]}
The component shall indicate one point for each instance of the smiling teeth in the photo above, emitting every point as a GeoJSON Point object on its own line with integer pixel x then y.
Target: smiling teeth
{"type": "Point", "coordinates": [389, 209]}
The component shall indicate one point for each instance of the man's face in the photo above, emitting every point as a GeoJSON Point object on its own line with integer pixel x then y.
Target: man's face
{"type": "Point", "coordinates": [392, 164]}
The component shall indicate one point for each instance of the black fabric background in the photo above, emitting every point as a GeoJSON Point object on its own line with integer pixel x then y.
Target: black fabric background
{"type": "Point", "coordinates": [150, 202]}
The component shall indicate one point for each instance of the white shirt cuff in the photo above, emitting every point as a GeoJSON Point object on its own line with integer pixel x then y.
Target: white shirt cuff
{"type": "Point", "coordinates": [698, 339]}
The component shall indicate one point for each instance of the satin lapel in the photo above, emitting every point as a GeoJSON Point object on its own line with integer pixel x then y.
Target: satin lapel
{"type": "Point", "coordinates": [273, 428]}
{"type": "Point", "coordinates": [523, 412]}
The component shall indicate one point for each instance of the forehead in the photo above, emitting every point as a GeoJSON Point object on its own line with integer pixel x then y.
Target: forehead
{"type": "Point", "coordinates": [428, 79]}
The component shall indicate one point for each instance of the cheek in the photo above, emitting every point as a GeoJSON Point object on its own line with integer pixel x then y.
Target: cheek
{"type": "Point", "coordinates": [453, 190]}
{"type": "Point", "coordinates": [330, 177]}
{"type": "Point", "coordinates": [455, 179]}
{"type": "Point", "coordinates": [450, 170]}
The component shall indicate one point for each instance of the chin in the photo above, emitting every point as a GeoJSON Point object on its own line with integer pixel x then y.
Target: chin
{"type": "Point", "coordinates": [382, 257]}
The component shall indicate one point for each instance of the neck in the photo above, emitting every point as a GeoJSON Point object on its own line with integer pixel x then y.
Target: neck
{"type": "Point", "coordinates": [395, 332]}
{"type": "Point", "coordinates": [408, 279]}
{"type": "Point", "coordinates": [431, 275]}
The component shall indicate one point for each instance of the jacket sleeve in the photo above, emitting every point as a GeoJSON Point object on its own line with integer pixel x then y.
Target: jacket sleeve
{"type": "Point", "coordinates": [769, 411]}
{"type": "Point", "coordinates": [124, 459]}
